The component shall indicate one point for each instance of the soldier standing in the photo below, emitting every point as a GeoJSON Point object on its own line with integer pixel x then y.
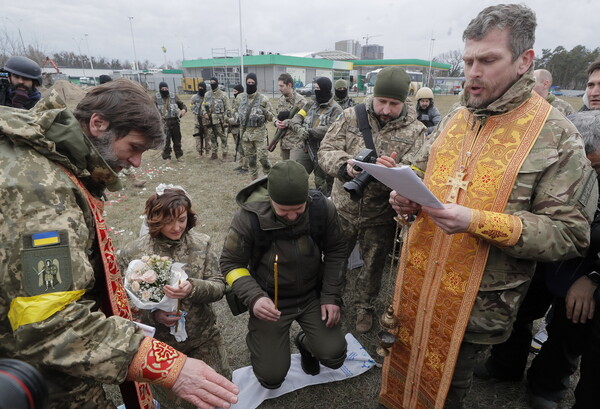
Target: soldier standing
{"type": "Point", "coordinates": [253, 111]}
{"type": "Point", "coordinates": [171, 109]}
{"type": "Point", "coordinates": [341, 94]}
{"type": "Point", "coordinates": [215, 110]}
{"type": "Point", "coordinates": [202, 141]}
{"type": "Point", "coordinates": [288, 102]}
{"type": "Point", "coordinates": [370, 221]}
{"type": "Point", "coordinates": [311, 124]}
{"type": "Point", "coordinates": [235, 131]}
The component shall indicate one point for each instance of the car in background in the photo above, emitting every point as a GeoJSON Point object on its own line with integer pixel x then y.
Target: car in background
{"type": "Point", "coordinates": [555, 90]}
{"type": "Point", "coordinates": [308, 90]}
{"type": "Point", "coordinates": [456, 90]}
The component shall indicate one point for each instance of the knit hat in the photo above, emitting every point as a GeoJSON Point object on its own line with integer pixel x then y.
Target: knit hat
{"type": "Point", "coordinates": [239, 88]}
{"type": "Point", "coordinates": [392, 82]}
{"type": "Point", "coordinates": [163, 84]}
{"type": "Point", "coordinates": [341, 84]}
{"type": "Point", "coordinates": [103, 79]}
{"type": "Point", "coordinates": [287, 183]}
{"type": "Point", "coordinates": [251, 75]}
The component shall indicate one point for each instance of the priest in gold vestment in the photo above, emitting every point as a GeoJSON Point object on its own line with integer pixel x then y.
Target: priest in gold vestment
{"type": "Point", "coordinates": [517, 188]}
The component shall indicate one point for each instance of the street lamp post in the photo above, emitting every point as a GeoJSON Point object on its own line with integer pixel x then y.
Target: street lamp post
{"type": "Point", "coordinates": [80, 55]}
{"type": "Point", "coordinates": [430, 62]}
{"type": "Point", "coordinates": [90, 57]}
{"type": "Point", "coordinates": [135, 64]}
{"type": "Point", "coordinates": [241, 45]}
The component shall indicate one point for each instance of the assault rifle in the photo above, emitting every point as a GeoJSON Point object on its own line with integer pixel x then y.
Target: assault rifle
{"type": "Point", "coordinates": [280, 132]}
{"type": "Point", "coordinates": [311, 153]}
{"type": "Point", "coordinates": [210, 121]}
{"type": "Point", "coordinates": [200, 133]}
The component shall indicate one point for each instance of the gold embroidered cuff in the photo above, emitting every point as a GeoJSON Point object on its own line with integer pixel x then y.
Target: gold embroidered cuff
{"type": "Point", "coordinates": [157, 363]}
{"type": "Point", "coordinates": [501, 229]}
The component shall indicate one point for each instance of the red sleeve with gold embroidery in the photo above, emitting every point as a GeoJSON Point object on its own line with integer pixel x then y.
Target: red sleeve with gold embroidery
{"type": "Point", "coordinates": [501, 229]}
{"type": "Point", "coordinates": [157, 363]}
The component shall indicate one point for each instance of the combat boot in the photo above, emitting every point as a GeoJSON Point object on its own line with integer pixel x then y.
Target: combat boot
{"type": "Point", "coordinates": [364, 321]}
{"type": "Point", "coordinates": [310, 364]}
{"type": "Point", "coordinates": [224, 155]}
{"type": "Point", "coordinates": [214, 156]}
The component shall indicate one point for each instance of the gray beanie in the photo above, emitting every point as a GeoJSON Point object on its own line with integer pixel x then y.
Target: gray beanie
{"type": "Point", "coordinates": [392, 82]}
{"type": "Point", "coordinates": [288, 183]}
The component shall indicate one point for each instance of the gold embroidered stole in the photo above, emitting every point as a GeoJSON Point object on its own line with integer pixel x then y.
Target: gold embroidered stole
{"type": "Point", "coordinates": [135, 395]}
{"type": "Point", "coordinates": [440, 274]}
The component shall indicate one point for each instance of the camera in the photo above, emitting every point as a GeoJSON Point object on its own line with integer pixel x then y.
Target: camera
{"type": "Point", "coordinates": [21, 386]}
{"type": "Point", "coordinates": [356, 186]}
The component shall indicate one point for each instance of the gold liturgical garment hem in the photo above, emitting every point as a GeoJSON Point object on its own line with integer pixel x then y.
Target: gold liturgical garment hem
{"type": "Point", "coordinates": [439, 276]}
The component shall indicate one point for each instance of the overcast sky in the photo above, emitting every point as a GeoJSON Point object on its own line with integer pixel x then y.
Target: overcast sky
{"type": "Point", "coordinates": [194, 27]}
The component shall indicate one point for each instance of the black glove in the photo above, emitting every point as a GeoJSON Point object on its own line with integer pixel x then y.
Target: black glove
{"type": "Point", "coordinates": [283, 115]}
{"type": "Point", "coordinates": [19, 98]}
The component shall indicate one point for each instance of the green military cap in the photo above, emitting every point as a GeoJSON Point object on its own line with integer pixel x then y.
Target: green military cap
{"type": "Point", "coordinates": [288, 183]}
{"type": "Point", "coordinates": [392, 82]}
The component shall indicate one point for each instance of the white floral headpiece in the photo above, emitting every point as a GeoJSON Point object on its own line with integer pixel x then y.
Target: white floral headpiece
{"type": "Point", "coordinates": [160, 189]}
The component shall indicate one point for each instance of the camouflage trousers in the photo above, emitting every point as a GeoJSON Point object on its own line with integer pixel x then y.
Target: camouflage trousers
{"type": "Point", "coordinates": [213, 354]}
{"type": "Point", "coordinates": [217, 134]}
{"type": "Point", "coordinates": [173, 132]}
{"type": "Point", "coordinates": [468, 356]}
{"type": "Point", "coordinates": [375, 243]}
{"type": "Point", "coordinates": [256, 151]}
{"type": "Point", "coordinates": [323, 182]}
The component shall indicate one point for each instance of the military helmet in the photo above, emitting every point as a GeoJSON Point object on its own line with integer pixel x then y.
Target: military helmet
{"type": "Point", "coordinates": [424, 92]}
{"type": "Point", "coordinates": [24, 67]}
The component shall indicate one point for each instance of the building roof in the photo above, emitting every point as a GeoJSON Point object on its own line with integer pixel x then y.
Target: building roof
{"type": "Point", "coordinates": [406, 62]}
{"type": "Point", "coordinates": [269, 59]}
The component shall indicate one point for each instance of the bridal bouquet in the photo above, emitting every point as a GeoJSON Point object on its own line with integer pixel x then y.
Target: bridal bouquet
{"type": "Point", "coordinates": [146, 277]}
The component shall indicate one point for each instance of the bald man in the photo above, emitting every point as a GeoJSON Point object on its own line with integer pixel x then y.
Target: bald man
{"type": "Point", "coordinates": [543, 82]}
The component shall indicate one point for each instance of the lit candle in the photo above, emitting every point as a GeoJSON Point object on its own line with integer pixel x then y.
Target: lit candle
{"type": "Point", "coordinates": [275, 277]}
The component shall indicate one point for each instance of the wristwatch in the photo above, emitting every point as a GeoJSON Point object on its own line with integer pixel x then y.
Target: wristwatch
{"type": "Point", "coordinates": [595, 277]}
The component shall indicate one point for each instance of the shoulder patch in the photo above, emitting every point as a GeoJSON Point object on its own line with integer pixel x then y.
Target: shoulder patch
{"type": "Point", "coordinates": [46, 261]}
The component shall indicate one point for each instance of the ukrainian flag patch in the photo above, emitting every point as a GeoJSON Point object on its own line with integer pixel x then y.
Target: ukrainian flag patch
{"type": "Point", "coordinates": [45, 238]}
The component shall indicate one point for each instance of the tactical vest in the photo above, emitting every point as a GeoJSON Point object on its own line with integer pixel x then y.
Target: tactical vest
{"type": "Point", "coordinates": [167, 111]}
{"type": "Point", "coordinates": [313, 115]}
{"type": "Point", "coordinates": [215, 101]}
{"type": "Point", "coordinates": [256, 117]}
{"type": "Point", "coordinates": [196, 103]}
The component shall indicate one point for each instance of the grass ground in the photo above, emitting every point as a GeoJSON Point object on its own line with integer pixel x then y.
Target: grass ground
{"type": "Point", "coordinates": [212, 186]}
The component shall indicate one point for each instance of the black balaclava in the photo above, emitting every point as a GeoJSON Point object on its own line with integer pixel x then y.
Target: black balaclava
{"type": "Point", "coordinates": [323, 94]}
{"type": "Point", "coordinates": [163, 94]}
{"type": "Point", "coordinates": [214, 85]}
{"type": "Point", "coordinates": [239, 88]}
{"type": "Point", "coordinates": [251, 89]}
{"type": "Point", "coordinates": [201, 88]}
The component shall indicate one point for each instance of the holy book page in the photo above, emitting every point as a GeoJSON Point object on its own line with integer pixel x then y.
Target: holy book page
{"type": "Point", "coordinates": [404, 181]}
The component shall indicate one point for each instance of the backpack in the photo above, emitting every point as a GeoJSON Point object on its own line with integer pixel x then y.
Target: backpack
{"type": "Point", "coordinates": [317, 228]}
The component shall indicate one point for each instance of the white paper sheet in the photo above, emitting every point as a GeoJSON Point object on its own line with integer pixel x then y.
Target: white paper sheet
{"type": "Point", "coordinates": [253, 394]}
{"type": "Point", "coordinates": [404, 181]}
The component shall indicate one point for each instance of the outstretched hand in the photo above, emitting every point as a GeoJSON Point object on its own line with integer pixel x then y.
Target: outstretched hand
{"type": "Point", "coordinates": [200, 385]}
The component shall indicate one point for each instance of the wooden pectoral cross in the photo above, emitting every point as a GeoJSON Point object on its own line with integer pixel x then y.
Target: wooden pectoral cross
{"type": "Point", "coordinates": [456, 183]}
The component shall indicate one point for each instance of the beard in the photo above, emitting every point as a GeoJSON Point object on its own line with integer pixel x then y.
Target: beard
{"type": "Point", "coordinates": [104, 146]}
{"type": "Point", "coordinates": [482, 101]}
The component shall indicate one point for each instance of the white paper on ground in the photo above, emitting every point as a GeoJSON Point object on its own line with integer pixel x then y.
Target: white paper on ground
{"type": "Point", "coordinates": [404, 181]}
{"type": "Point", "coordinates": [253, 394]}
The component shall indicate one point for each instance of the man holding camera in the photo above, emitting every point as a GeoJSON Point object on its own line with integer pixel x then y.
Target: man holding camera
{"type": "Point", "coordinates": [19, 90]}
{"type": "Point", "coordinates": [393, 127]}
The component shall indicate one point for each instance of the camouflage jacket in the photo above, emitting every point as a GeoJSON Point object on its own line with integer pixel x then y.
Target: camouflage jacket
{"type": "Point", "coordinates": [404, 135]}
{"type": "Point", "coordinates": [290, 139]}
{"type": "Point", "coordinates": [301, 263]}
{"type": "Point", "coordinates": [201, 265]}
{"type": "Point", "coordinates": [197, 101]}
{"type": "Point", "coordinates": [347, 102]}
{"type": "Point", "coordinates": [316, 119]}
{"type": "Point", "coordinates": [555, 197]}
{"type": "Point", "coordinates": [218, 105]}
{"type": "Point", "coordinates": [68, 338]}
{"type": "Point", "coordinates": [260, 112]}
{"type": "Point", "coordinates": [169, 107]}
{"type": "Point", "coordinates": [561, 105]}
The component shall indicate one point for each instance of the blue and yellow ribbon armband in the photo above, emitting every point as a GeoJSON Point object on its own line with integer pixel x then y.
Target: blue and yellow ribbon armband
{"type": "Point", "coordinates": [236, 274]}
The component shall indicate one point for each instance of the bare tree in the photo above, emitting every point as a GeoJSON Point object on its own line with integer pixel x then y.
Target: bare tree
{"type": "Point", "coordinates": [455, 59]}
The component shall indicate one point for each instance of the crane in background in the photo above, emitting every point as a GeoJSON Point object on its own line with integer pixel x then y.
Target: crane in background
{"type": "Point", "coordinates": [366, 38]}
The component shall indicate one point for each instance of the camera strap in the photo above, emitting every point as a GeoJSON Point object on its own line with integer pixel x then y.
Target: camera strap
{"type": "Point", "coordinates": [364, 126]}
